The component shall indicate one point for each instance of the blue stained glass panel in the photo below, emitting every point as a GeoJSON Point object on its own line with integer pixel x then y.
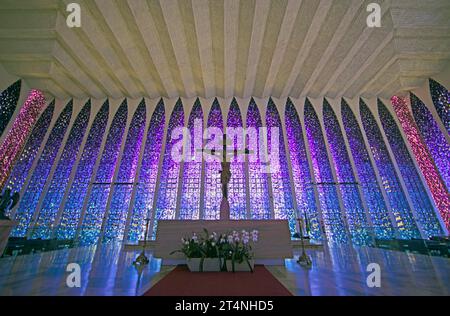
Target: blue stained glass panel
{"type": "Point", "coordinates": [121, 194]}
{"type": "Point", "coordinates": [360, 229]}
{"type": "Point", "coordinates": [333, 222]}
{"type": "Point", "coordinates": [72, 210]}
{"type": "Point", "coordinates": [148, 175]}
{"type": "Point", "coordinates": [435, 140]}
{"type": "Point", "coordinates": [402, 214]}
{"type": "Point", "coordinates": [55, 193]}
{"type": "Point", "coordinates": [96, 207]}
{"type": "Point", "coordinates": [30, 199]}
{"type": "Point", "coordinates": [379, 213]}
{"type": "Point", "coordinates": [23, 165]}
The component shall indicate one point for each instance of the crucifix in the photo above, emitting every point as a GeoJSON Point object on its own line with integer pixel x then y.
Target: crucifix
{"type": "Point", "coordinates": [225, 174]}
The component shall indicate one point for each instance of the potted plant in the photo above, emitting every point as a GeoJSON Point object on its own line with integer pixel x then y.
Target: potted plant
{"type": "Point", "coordinates": [238, 251]}
{"type": "Point", "coordinates": [202, 252]}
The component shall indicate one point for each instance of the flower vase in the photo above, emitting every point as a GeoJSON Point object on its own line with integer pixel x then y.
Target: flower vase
{"type": "Point", "coordinates": [241, 267]}
{"type": "Point", "coordinates": [209, 264]}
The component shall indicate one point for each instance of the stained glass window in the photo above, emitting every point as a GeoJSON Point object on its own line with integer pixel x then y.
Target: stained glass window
{"type": "Point", "coordinates": [55, 193]}
{"type": "Point", "coordinates": [379, 213]}
{"type": "Point", "coordinates": [237, 187]}
{"type": "Point", "coordinates": [148, 175]}
{"type": "Point", "coordinates": [424, 159]}
{"type": "Point", "coordinates": [399, 206]}
{"type": "Point", "coordinates": [333, 222]}
{"type": "Point", "coordinates": [281, 186]}
{"type": "Point", "coordinates": [20, 130]}
{"type": "Point", "coordinates": [258, 184]}
{"type": "Point", "coordinates": [22, 167]}
{"type": "Point", "coordinates": [213, 187]}
{"type": "Point", "coordinates": [192, 166]}
{"type": "Point", "coordinates": [441, 100]}
{"type": "Point", "coordinates": [71, 214]}
{"type": "Point", "coordinates": [351, 199]}
{"type": "Point", "coordinates": [437, 145]}
{"type": "Point", "coordinates": [116, 214]}
{"type": "Point", "coordinates": [304, 191]}
{"type": "Point", "coordinates": [170, 171]}
{"type": "Point", "coordinates": [30, 199]}
{"type": "Point", "coordinates": [422, 204]}
{"type": "Point", "coordinates": [8, 103]}
{"type": "Point", "coordinates": [96, 206]}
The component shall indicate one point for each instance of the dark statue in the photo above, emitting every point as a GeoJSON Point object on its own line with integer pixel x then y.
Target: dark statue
{"type": "Point", "coordinates": [7, 202]}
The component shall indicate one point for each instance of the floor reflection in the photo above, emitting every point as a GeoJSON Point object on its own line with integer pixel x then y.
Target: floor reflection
{"type": "Point", "coordinates": [105, 270]}
{"type": "Point", "coordinates": [341, 270]}
{"type": "Point", "coordinates": [337, 270]}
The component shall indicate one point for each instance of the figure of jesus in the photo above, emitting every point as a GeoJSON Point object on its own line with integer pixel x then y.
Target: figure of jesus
{"type": "Point", "coordinates": [225, 176]}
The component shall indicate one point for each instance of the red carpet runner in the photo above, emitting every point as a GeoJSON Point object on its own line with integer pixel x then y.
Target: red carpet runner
{"type": "Point", "coordinates": [182, 282]}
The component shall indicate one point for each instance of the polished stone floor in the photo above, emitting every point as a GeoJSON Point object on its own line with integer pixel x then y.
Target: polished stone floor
{"type": "Point", "coordinates": [337, 270]}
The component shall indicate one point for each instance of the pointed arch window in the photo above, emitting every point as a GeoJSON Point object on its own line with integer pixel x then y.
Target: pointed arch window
{"type": "Point", "coordinates": [68, 222]}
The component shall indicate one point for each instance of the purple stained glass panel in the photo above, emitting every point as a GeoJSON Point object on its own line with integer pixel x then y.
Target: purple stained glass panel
{"type": "Point", "coordinates": [213, 187]}
{"type": "Point", "coordinates": [192, 166]}
{"type": "Point", "coordinates": [237, 191]}
{"type": "Point", "coordinates": [333, 221]}
{"type": "Point", "coordinates": [281, 185]}
{"type": "Point", "coordinates": [170, 171]}
{"type": "Point", "coordinates": [304, 191]}
{"type": "Point", "coordinates": [258, 182]}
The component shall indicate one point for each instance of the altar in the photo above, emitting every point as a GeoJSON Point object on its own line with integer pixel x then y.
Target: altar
{"type": "Point", "coordinates": [273, 246]}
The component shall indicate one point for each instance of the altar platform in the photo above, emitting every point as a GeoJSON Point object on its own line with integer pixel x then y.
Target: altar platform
{"type": "Point", "coordinates": [273, 247]}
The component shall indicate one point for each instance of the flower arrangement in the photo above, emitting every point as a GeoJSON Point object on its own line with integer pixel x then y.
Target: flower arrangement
{"type": "Point", "coordinates": [234, 248]}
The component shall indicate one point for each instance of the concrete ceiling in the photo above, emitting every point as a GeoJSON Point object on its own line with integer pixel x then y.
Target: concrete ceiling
{"type": "Point", "coordinates": [280, 48]}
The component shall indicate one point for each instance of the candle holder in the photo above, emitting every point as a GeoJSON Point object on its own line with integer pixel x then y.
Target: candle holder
{"type": "Point", "coordinates": [142, 259]}
{"type": "Point", "coordinates": [304, 260]}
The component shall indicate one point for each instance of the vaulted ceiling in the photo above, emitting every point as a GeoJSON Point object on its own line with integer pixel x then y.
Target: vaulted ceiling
{"type": "Point", "coordinates": [280, 48]}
